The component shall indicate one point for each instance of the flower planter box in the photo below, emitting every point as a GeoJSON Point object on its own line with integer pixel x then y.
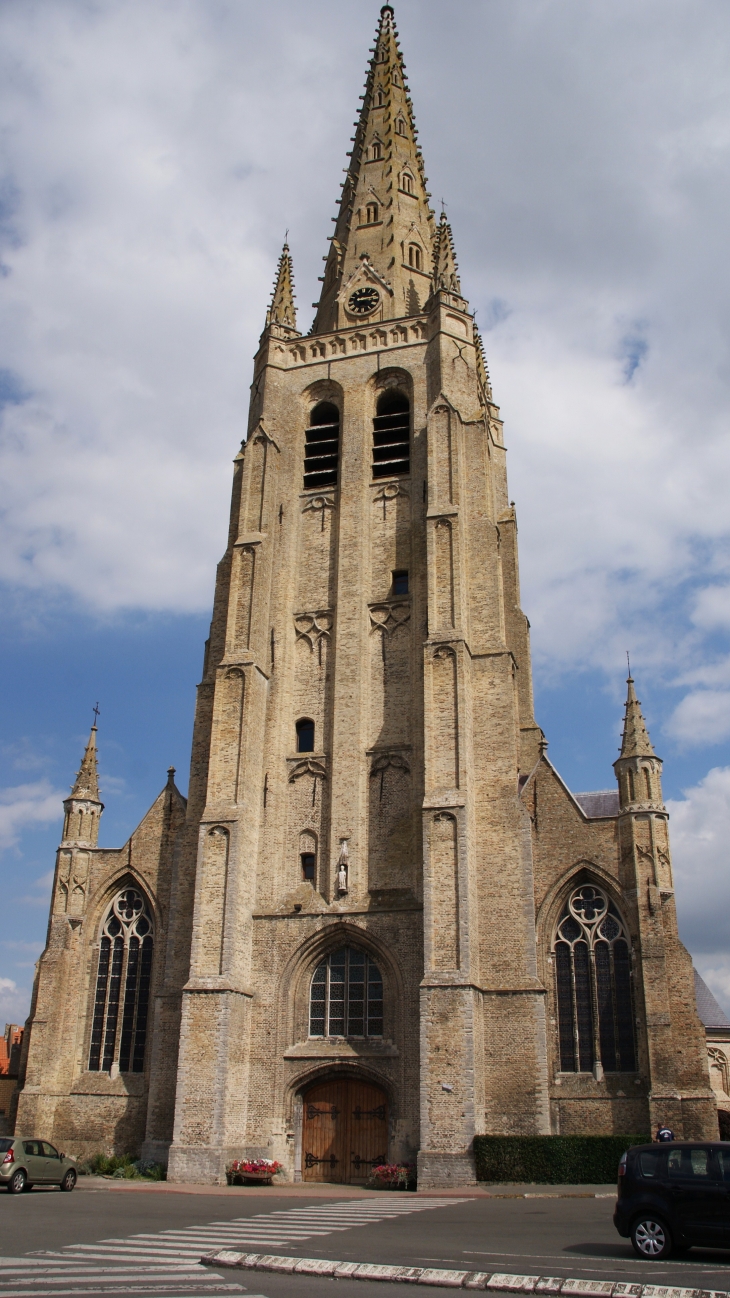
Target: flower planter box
{"type": "Point", "coordinates": [252, 1172]}
{"type": "Point", "coordinates": [248, 1178]}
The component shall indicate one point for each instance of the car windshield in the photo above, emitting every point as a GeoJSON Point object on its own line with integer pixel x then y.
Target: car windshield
{"type": "Point", "coordinates": [5, 1145]}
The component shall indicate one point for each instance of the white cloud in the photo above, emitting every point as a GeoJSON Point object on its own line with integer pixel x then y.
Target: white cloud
{"type": "Point", "coordinates": [703, 717]}
{"type": "Point", "coordinates": [155, 154]}
{"type": "Point", "coordinates": [700, 838]}
{"type": "Point", "coordinates": [712, 607]}
{"type": "Point", "coordinates": [25, 805]}
{"type": "Point", "coordinates": [14, 1001]}
{"type": "Point", "coordinates": [41, 894]}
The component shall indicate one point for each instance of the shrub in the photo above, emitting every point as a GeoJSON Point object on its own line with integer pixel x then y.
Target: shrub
{"type": "Point", "coordinates": [122, 1167]}
{"type": "Point", "coordinates": [551, 1160]}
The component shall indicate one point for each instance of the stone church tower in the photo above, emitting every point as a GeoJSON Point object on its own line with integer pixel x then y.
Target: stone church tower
{"type": "Point", "coordinates": [382, 924]}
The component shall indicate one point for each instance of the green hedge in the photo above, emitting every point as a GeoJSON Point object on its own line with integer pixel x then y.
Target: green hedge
{"type": "Point", "coordinates": [551, 1160]}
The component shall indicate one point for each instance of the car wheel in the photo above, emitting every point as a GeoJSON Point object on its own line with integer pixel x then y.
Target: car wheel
{"type": "Point", "coordinates": [17, 1182]}
{"type": "Point", "coordinates": [651, 1238]}
{"type": "Point", "coordinates": [69, 1180]}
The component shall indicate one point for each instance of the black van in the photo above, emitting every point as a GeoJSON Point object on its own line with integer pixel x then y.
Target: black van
{"type": "Point", "coordinates": [673, 1196]}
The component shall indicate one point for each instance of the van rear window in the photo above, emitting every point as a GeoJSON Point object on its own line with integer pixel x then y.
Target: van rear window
{"type": "Point", "coordinates": [650, 1163]}
{"type": "Point", "coordinates": [5, 1145]}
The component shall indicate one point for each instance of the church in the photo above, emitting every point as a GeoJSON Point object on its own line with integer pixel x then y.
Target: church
{"type": "Point", "coordinates": [381, 924]}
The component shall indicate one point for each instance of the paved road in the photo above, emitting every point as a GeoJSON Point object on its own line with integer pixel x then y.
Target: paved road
{"type": "Point", "coordinates": [125, 1242]}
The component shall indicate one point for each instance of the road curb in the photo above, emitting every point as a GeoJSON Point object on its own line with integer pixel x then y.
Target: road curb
{"type": "Point", "coordinates": [496, 1280]}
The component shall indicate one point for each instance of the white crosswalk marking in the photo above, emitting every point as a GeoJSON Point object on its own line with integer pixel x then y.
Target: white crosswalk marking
{"type": "Point", "coordinates": [167, 1264]}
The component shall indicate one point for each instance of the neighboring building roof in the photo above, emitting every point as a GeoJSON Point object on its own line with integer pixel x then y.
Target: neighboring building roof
{"type": "Point", "coordinates": [10, 1043]}
{"type": "Point", "coordinates": [603, 803]}
{"type": "Point", "coordinates": [707, 1007]}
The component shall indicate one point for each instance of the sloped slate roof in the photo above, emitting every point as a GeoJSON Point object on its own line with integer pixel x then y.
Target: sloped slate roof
{"type": "Point", "coordinates": [602, 803]}
{"type": "Point", "coordinates": [707, 1007]}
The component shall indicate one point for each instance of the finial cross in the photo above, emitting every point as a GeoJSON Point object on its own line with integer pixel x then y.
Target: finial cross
{"type": "Point", "coordinates": [96, 710]}
{"type": "Point", "coordinates": [628, 661]}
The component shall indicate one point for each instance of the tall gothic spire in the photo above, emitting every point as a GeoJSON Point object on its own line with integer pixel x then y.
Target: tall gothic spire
{"type": "Point", "coordinates": [445, 269]}
{"type": "Point", "coordinates": [87, 777]}
{"type": "Point", "coordinates": [83, 806]}
{"type": "Point", "coordinates": [282, 310]}
{"type": "Point", "coordinates": [636, 741]}
{"type": "Point", "coordinates": [384, 230]}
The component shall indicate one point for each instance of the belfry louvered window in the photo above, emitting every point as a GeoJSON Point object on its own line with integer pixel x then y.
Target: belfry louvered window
{"type": "Point", "coordinates": [346, 997]}
{"type": "Point", "coordinates": [322, 446]}
{"type": "Point", "coordinates": [121, 1006]}
{"type": "Point", "coordinates": [593, 983]}
{"type": "Point", "coordinates": [392, 435]}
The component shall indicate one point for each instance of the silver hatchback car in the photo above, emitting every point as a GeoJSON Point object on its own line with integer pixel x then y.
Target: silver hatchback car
{"type": "Point", "coordinates": [25, 1163]}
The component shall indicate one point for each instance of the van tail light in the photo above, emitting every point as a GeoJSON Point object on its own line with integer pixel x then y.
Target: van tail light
{"type": "Point", "coordinates": [622, 1166]}
{"type": "Point", "coordinates": [9, 1157]}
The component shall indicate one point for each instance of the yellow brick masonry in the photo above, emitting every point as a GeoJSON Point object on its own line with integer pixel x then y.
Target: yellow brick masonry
{"type": "Point", "coordinates": [463, 843]}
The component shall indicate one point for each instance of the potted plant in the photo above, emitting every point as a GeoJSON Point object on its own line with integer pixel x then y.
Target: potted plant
{"type": "Point", "coordinates": [252, 1171]}
{"type": "Point", "coordinates": [393, 1176]}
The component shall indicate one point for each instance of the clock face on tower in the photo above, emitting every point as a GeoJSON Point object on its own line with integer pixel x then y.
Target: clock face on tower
{"type": "Point", "coordinates": [363, 300]}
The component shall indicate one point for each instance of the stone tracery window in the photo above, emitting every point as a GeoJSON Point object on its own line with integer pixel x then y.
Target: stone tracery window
{"type": "Point", "coordinates": [718, 1070]}
{"type": "Point", "coordinates": [346, 996]}
{"type": "Point", "coordinates": [121, 1005]}
{"type": "Point", "coordinates": [593, 981]}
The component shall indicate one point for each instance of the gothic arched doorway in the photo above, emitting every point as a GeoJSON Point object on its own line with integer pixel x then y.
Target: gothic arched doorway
{"type": "Point", "coordinates": [344, 1130]}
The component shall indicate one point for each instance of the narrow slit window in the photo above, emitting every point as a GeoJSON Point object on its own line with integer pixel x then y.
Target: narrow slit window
{"type": "Point", "coordinates": [322, 446]}
{"type": "Point", "coordinates": [305, 736]}
{"type": "Point", "coordinates": [123, 978]}
{"type": "Point", "coordinates": [406, 183]}
{"type": "Point", "coordinates": [392, 436]}
{"type": "Point", "coordinates": [371, 213]}
{"type": "Point", "coordinates": [415, 256]}
{"type": "Point", "coordinates": [376, 153]}
{"type": "Point", "coordinates": [309, 862]}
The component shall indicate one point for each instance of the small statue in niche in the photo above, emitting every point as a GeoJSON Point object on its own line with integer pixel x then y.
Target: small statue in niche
{"type": "Point", "coordinates": [342, 868]}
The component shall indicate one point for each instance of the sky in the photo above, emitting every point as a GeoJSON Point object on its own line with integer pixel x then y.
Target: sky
{"type": "Point", "coordinates": [152, 155]}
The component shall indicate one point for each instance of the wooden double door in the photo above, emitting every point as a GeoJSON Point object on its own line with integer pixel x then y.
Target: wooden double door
{"type": "Point", "coordinates": [344, 1131]}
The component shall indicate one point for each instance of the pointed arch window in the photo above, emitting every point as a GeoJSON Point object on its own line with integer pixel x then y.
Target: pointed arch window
{"type": "Point", "coordinates": [391, 435]}
{"type": "Point", "coordinates": [322, 446]}
{"type": "Point", "coordinates": [415, 256]}
{"type": "Point", "coordinates": [124, 971]}
{"type": "Point", "coordinates": [400, 126]}
{"type": "Point", "coordinates": [407, 183]}
{"type": "Point", "coordinates": [376, 153]}
{"type": "Point", "coordinates": [372, 211]}
{"type": "Point", "coordinates": [379, 97]}
{"type": "Point", "coordinates": [346, 996]}
{"type": "Point", "coordinates": [593, 983]}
